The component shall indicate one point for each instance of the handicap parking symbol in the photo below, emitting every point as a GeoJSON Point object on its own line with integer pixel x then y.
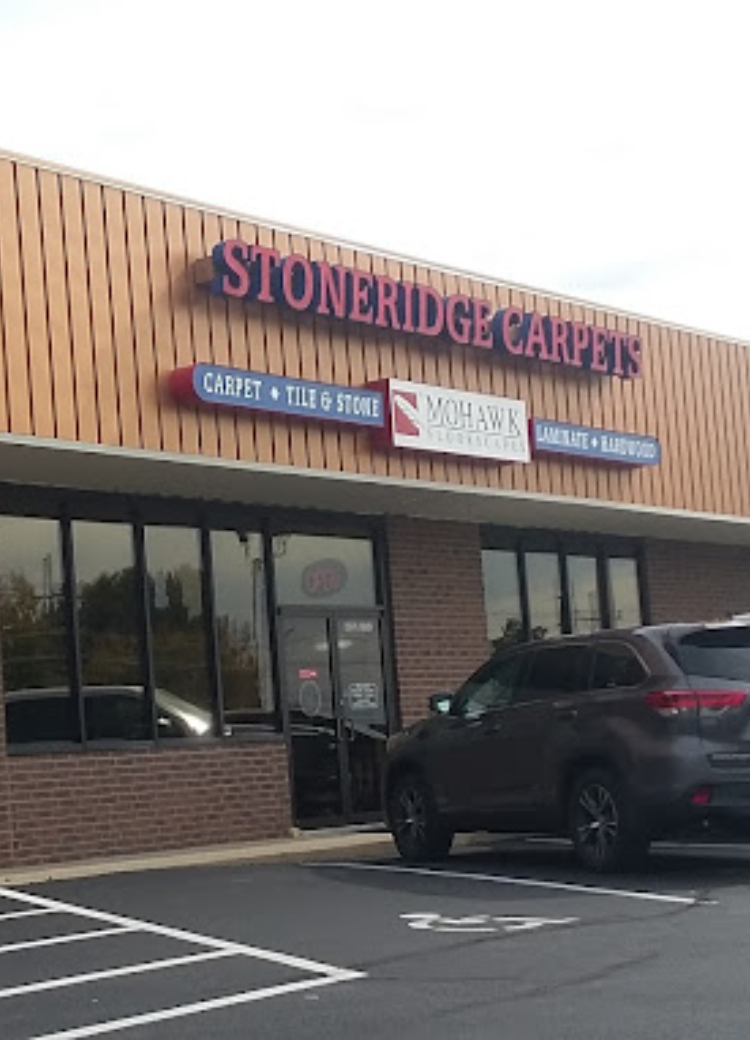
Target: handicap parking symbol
{"type": "Point", "coordinates": [481, 923]}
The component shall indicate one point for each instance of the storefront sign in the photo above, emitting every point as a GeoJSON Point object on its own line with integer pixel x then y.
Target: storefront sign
{"type": "Point", "coordinates": [257, 272]}
{"type": "Point", "coordinates": [324, 578]}
{"type": "Point", "coordinates": [630, 449]}
{"type": "Point", "coordinates": [237, 388]}
{"type": "Point", "coordinates": [430, 418]}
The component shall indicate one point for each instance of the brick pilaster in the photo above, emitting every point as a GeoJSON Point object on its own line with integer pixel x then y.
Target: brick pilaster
{"type": "Point", "coordinates": [437, 600]}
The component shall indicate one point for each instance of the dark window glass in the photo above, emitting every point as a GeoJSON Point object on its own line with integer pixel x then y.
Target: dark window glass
{"type": "Point", "coordinates": [317, 570]}
{"type": "Point", "coordinates": [116, 713]}
{"type": "Point", "coordinates": [625, 602]}
{"type": "Point", "coordinates": [583, 590]}
{"type": "Point", "coordinates": [42, 715]}
{"type": "Point", "coordinates": [502, 598]}
{"type": "Point", "coordinates": [39, 703]}
{"type": "Point", "coordinates": [178, 635]}
{"type": "Point", "coordinates": [616, 665]}
{"type": "Point", "coordinates": [543, 581]}
{"type": "Point", "coordinates": [490, 688]}
{"type": "Point", "coordinates": [242, 627]}
{"type": "Point", "coordinates": [722, 653]}
{"type": "Point", "coordinates": [108, 622]}
{"type": "Point", "coordinates": [557, 671]}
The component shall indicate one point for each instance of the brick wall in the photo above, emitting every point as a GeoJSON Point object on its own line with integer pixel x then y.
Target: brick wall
{"type": "Point", "coordinates": [437, 601]}
{"type": "Point", "coordinates": [77, 806]}
{"type": "Point", "coordinates": [693, 582]}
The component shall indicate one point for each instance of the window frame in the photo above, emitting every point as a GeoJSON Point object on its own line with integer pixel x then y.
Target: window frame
{"type": "Point", "coordinates": [601, 548]}
{"type": "Point", "coordinates": [65, 506]}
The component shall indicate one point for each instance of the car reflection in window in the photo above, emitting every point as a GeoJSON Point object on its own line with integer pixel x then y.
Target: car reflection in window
{"type": "Point", "coordinates": [111, 713]}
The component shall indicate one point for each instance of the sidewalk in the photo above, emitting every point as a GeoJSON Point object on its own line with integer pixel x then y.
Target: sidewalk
{"type": "Point", "coordinates": [300, 846]}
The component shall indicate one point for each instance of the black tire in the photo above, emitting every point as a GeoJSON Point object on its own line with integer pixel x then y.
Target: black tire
{"type": "Point", "coordinates": [419, 833]}
{"type": "Point", "coordinates": [603, 823]}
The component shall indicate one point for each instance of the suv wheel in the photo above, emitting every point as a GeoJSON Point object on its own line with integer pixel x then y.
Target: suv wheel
{"type": "Point", "coordinates": [602, 825]}
{"type": "Point", "coordinates": [419, 833]}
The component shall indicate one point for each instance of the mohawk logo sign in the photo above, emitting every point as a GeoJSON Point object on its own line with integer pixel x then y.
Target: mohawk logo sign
{"type": "Point", "coordinates": [262, 274]}
{"type": "Point", "coordinates": [454, 422]}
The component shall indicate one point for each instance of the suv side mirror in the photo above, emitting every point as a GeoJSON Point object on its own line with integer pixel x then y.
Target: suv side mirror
{"type": "Point", "coordinates": [440, 703]}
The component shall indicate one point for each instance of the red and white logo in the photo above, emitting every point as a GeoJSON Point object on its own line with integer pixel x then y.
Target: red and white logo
{"type": "Point", "coordinates": [405, 413]}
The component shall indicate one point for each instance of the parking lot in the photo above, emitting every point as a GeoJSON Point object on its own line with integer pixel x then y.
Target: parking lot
{"type": "Point", "coordinates": [511, 940]}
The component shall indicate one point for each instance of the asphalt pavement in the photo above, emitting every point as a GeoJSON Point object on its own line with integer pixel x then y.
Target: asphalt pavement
{"type": "Point", "coordinates": [509, 941]}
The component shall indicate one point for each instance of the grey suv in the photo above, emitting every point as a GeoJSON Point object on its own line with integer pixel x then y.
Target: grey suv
{"type": "Point", "coordinates": [612, 739]}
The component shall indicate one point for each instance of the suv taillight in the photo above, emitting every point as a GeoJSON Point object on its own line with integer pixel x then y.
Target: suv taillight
{"type": "Point", "coordinates": [672, 702]}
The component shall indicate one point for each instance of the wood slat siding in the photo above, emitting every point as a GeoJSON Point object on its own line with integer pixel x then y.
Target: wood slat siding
{"type": "Point", "coordinates": [98, 305]}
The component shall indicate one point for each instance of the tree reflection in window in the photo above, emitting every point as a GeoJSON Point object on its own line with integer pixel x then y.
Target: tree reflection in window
{"type": "Point", "coordinates": [178, 636]}
{"type": "Point", "coordinates": [38, 702]}
{"type": "Point", "coordinates": [108, 627]}
{"type": "Point", "coordinates": [242, 626]}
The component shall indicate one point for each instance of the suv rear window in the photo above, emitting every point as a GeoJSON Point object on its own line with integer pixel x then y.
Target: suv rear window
{"type": "Point", "coordinates": [722, 653]}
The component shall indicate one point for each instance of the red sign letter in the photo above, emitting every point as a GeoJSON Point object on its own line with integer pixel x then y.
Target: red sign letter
{"type": "Point", "coordinates": [332, 289]}
{"type": "Point", "coordinates": [232, 257]}
{"type": "Point", "coordinates": [599, 362]}
{"type": "Point", "coordinates": [297, 282]}
{"type": "Point", "coordinates": [482, 323]}
{"type": "Point", "coordinates": [458, 325]}
{"type": "Point", "coordinates": [361, 297]}
{"type": "Point", "coordinates": [387, 297]}
{"type": "Point", "coordinates": [264, 258]}
{"type": "Point", "coordinates": [428, 299]}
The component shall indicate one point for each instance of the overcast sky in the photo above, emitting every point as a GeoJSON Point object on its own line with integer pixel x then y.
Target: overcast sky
{"type": "Point", "coordinates": [596, 149]}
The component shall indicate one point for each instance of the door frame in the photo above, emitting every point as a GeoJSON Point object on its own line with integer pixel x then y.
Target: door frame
{"type": "Point", "coordinates": [331, 616]}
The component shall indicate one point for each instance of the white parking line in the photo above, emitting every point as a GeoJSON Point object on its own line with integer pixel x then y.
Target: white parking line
{"type": "Point", "coordinates": [181, 934]}
{"type": "Point", "coordinates": [111, 973]}
{"type": "Point", "coordinates": [59, 940]}
{"type": "Point", "coordinates": [500, 879]}
{"type": "Point", "coordinates": [326, 974]}
{"type": "Point", "coordinates": [200, 1007]}
{"type": "Point", "coordinates": [25, 913]}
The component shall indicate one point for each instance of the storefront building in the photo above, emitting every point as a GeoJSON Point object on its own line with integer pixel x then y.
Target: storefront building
{"type": "Point", "coordinates": [261, 494]}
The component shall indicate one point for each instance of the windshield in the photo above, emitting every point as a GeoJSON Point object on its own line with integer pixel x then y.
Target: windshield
{"type": "Point", "coordinates": [722, 653]}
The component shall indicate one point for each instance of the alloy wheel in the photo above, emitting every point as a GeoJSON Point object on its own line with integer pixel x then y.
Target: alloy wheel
{"type": "Point", "coordinates": [410, 816]}
{"type": "Point", "coordinates": [598, 822]}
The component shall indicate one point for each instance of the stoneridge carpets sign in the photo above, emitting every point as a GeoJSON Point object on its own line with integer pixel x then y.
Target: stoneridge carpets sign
{"type": "Point", "coordinates": [630, 449]}
{"type": "Point", "coordinates": [260, 273]}
{"type": "Point", "coordinates": [237, 388]}
{"type": "Point", "coordinates": [431, 418]}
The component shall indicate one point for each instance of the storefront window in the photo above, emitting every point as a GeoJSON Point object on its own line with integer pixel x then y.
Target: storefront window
{"type": "Point", "coordinates": [625, 601]}
{"type": "Point", "coordinates": [39, 705]}
{"type": "Point", "coordinates": [178, 633]}
{"type": "Point", "coordinates": [115, 705]}
{"type": "Point", "coordinates": [317, 570]}
{"type": "Point", "coordinates": [543, 582]}
{"type": "Point", "coordinates": [502, 597]}
{"type": "Point", "coordinates": [583, 590]}
{"type": "Point", "coordinates": [242, 627]}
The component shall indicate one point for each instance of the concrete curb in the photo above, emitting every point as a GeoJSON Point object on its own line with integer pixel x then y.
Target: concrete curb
{"type": "Point", "coordinates": [299, 847]}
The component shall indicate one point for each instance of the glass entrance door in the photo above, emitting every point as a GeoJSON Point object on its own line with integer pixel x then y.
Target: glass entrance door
{"type": "Point", "coordinates": [334, 713]}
